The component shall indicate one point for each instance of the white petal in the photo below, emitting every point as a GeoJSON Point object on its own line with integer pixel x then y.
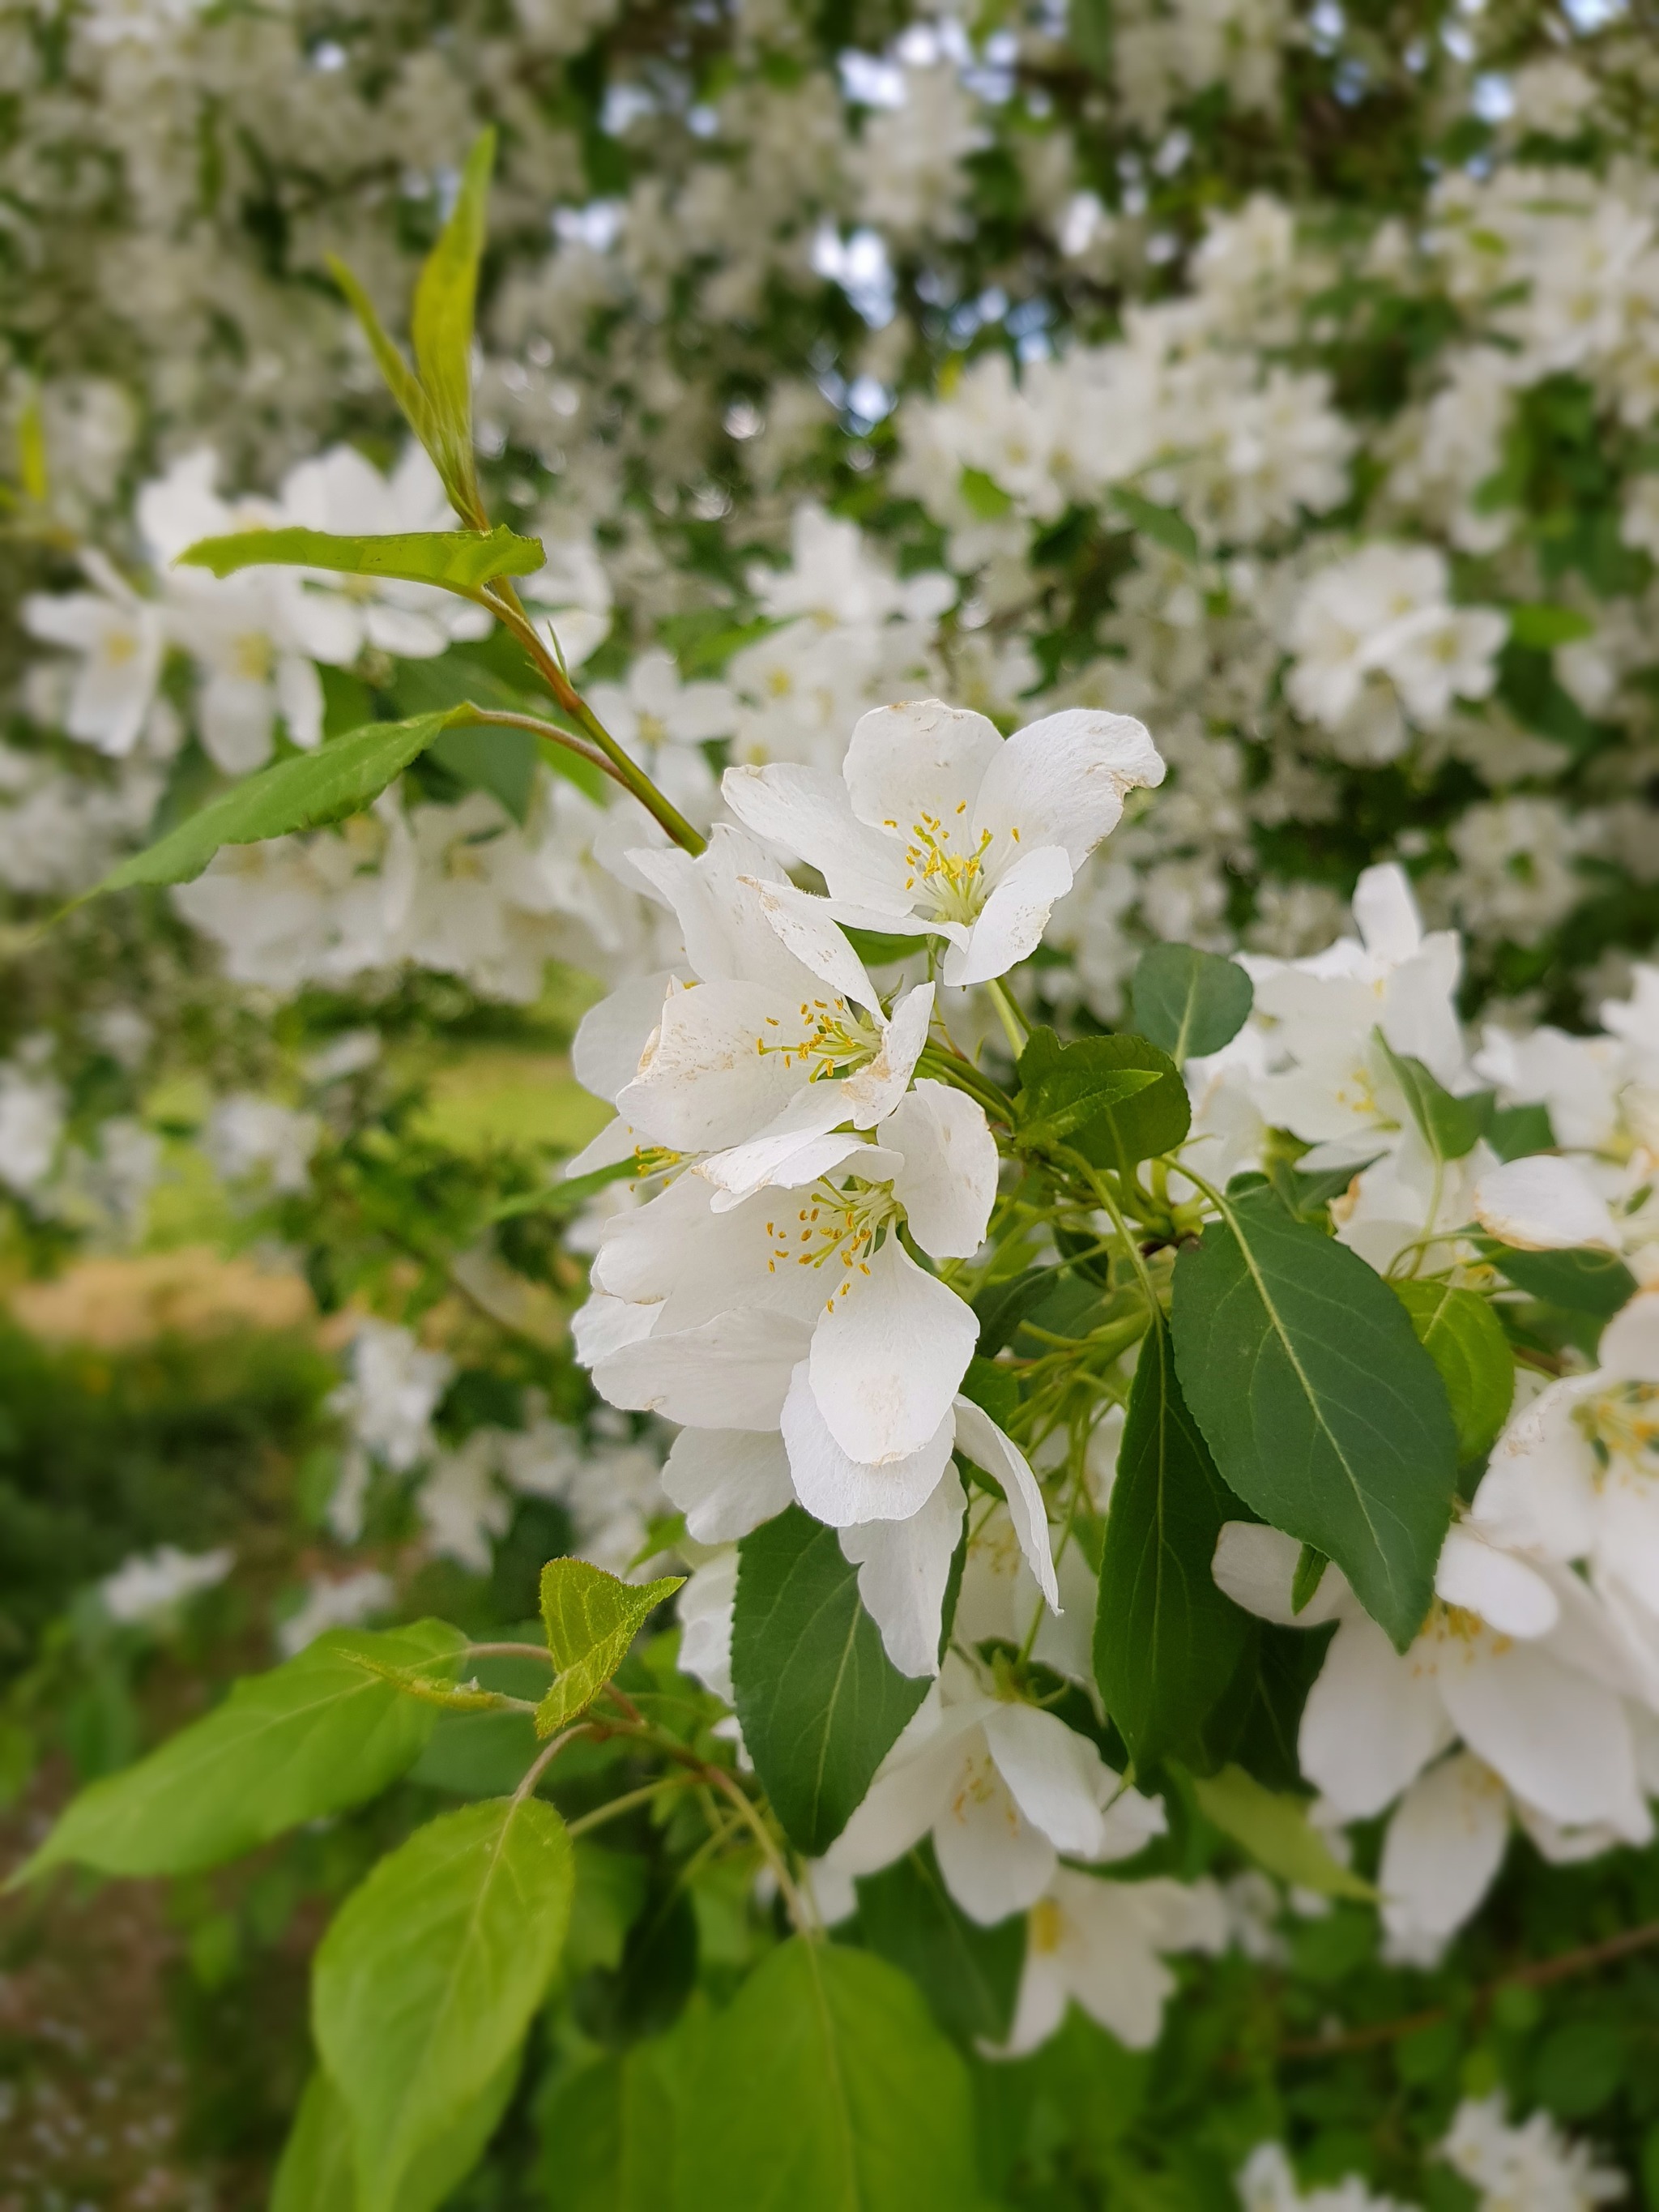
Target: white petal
{"type": "Point", "coordinates": [618, 1141]}
{"type": "Point", "coordinates": [993, 1861]}
{"type": "Point", "coordinates": [1255, 1565]}
{"type": "Point", "coordinates": [1502, 1589]}
{"type": "Point", "coordinates": [802, 923]}
{"type": "Point", "coordinates": [873, 1091]}
{"type": "Point", "coordinates": [1107, 1951]}
{"type": "Point", "coordinates": [1385, 911]}
{"type": "Point", "coordinates": [919, 761]}
{"type": "Point", "coordinates": [1630, 1342]}
{"type": "Point", "coordinates": [1544, 1203]}
{"type": "Point", "coordinates": [1056, 1777]}
{"type": "Point", "coordinates": [796, 1147]}
{"type": "Point", "coordinates": [706, 1076]}
{"type": "Point", "coordinates": [903, 1801]}
{"type": "Point", "coordinates": [611, 1037]}
{"type": "Point", "coordinates": [1540, 1489]}
{"type": "Point", "coordinates": [903, 1568]}
{"type": "Point", "coordinates": [1011, 923]}
{"type": "Point", "coordinates": [1372, 1721]}
{"type": "Point", "coordinates": [887, 1356]}
{"type": "Point", "coordinates": [804, 811]}
{"type": "Point", "coordinates": [718, 909]}
{"type": "Point", "coordinates": [732, 1372]}
{"type": "Point", "coordinates": [978, 1435]}
{"type": "Point", "coordinates": [1443, 1848]}
{"type": "Point", "coordinates": [845, 1492]}
{"type": "Point", "coordinates": [604, 1324]}
{"type": "Point", "coordinates": [1559, 1739]}
{"type": "Point", "coordinates": [1062, 781]}
{"type": "Point", "coordinates": [948, 1183]}
{"type": "Point", "coordinates": [726, 1481]}
{"type": "Point", "coordinates": [1040, 2008]}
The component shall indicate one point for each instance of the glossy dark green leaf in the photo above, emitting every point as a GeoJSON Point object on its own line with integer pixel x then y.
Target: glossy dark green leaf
{"type": "Point", "coordinates": [820, 1702]}
{"type": "Point", "coordinates": [1310, 1567]}
{"type": "Point", "coordinates": [969, 1975]}
{"type": "Point", "coordinates": [1167, 1641]}
{"type": "Point", "coordinates": [316, 1735]}
{"type": "Point", "coordinates": [826, 2087]}
{"type": "Point", "coordinates": [1187, 1002]}
{"type": "Point", "coordinates": [1465, 1339]}
{"type": "Point", "coordinates": [305, 791]}
{"type": "Point", "coordinates": [454, 559]}
{"type": "Point", "coordinates": [1450, 1127]}
{"type": "Point", "coordinates": [1322, 1410]}
{"type": "Point", "coordinates": [429, 1974]}
{"type": "Point", "coordinates": [1513, 1132]}
{"type": "Point", "coordinates": [1057, 1081]}
{"type": "Point", "coordinates": [1580, 1280]}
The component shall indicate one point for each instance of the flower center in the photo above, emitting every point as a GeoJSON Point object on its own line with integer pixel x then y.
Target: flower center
{"type": "Point", "coordinates": [1045, 1927]}
{"type": "Point", "coordinates": [834, 1228]}
{"type": "Point", "coordinates": [952, 880]}
{"type": "Point", "coordinates": [1622, 1424]}
{"type": "Point", "coordinates": [834, 1038]}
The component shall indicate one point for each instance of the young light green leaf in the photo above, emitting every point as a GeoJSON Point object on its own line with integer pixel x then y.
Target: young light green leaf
{"type": "Point", "coordinates": [430, 1976]}
{"type": "Point", "coordinates": [1539, 624]}
{"type": "Point", "coordinates": [313, 1736]}
{"type": "Point", "coordinates": [820, 1702]}
{"type": "Point", "coordinates": [317, 2174]}
{"type": "Point", "coordinates": [1188, 1002]}
{"type": "Point", "coordinates": [455, 560]}
{"type": "Point", "coordinates": [591, 1619]}
{"type": "Point", "coordinates": [1167, 1641]}
{"type": "Point", "coordinates": [305, 791]}
{"type": "Point", "coordinates": [1275, 1831]}
{"type": "Point", "coordinates": [1464, 1338]}
{"type": "Point", "coordinates": [826, 2087]}
{"type": "Point", "coordinates": [1450, 1127]}
{"type": "Point", "coordinates": [401, 381]}
{"type": "Point", "coordinates": [1122, 1125]}
{"type": "Point", "coordinates": [441, 327]}
{"type": "Point", "coordinates": [1322, 1410]}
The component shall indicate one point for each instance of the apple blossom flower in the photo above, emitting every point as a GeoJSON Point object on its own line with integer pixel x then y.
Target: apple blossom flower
{"type": "Point", "coordinates": [1004, 1789]}
{"type": "Point", "coordinates": [941, 827]}
{"type": "Point", "coordinates": [1517, 1657]}
{"type": "Point", "coordinates": [122, 640]}
{"type": "Point", "coordinates": [1533, 2168]}
{"type": "Point", "coordinates": [1099, 1942]}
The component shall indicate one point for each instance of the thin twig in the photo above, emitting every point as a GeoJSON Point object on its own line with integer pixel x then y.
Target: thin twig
{"type": "Point", "coordinates": [1536, 1976]}
{"type": "Point", "coordinates": [510, 1651]}
{"type": "Point", "coordinates": [544, 1759]}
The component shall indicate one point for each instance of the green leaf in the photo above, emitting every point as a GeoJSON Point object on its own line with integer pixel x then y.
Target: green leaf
{"type": "Point", "coordinates": [1450, 1127]}
{"type": "Point", "coordinates": [820, 1702]}
{"type": "Point", "coordinates": [401, 381]}
{"type": "Point", "coordinates": [1539, 625]}
{"type": "Point", "coordinates": [1188, 1002]}
{"type": "Point", "coordinates": [316, 2172]}
{"type": "Point", "coordinates": [1167, 1641]}
{"type": "Point", "coordinates": [591, 1618]}
{"type": "Point", "coordinates": [429, 1975]}
{"type": "Point", "coordinates": [1322, 1410]}
{"type": "Point", "coordinates": [1515, 1131]}
{"type": "Point", "coordinates": [1077, 1094]}
{"type": "Point", "coordinates": [608, 2131]}
{"type": "Point", "coordinates": [1274, 1829]}
{"type": "Point", "coordinates": [313, 1736]}
{"type": "Point", "coordinates": [983, 495]}
{"type": "Point", "coordinates": [1310, 1567]}
{"type": "Point", "coordinates": [1581, 1280]}
{"type": "Point", "coordinates": [1465, 1339]}
{"type": "Point", "coordinates": [455, 560]}
{"type": "Point", "coordinates": [1161, 524]}
{"type": "Point", "coordinates": [969, 1975]}
{"type": "Point", "coordinates": [305, 791]}
{"type": "Point", "coordinates": [826, 2087]}
{"type": "Point", "coordinates": [440, 325]}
